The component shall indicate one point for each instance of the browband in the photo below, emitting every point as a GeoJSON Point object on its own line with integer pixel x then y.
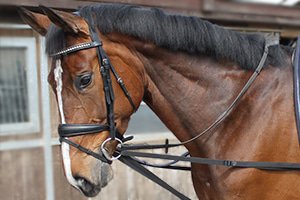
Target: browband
{"type": "Point", "coordinates": [78, 47]}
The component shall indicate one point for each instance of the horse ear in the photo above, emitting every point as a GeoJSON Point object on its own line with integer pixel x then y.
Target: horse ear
{"type": "Point", "coordinates": [38, 22]}
{"type": "Point", "coordinates": [67, 21]}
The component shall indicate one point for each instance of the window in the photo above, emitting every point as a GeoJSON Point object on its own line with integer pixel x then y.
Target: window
{"type": "Point", "coordinates": [18, 86]}
{"type": "Point", "coordinates": [144, 121]}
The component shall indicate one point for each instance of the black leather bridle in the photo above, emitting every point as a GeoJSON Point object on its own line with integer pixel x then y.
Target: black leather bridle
{"type": "Point", "coordinates": [70, 130]}
{"type": "Point", "coordinates": [124, 152]}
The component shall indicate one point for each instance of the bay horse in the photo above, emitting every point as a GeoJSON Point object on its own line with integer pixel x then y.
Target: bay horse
{"type": "Point", "coordinates": [187, 71]}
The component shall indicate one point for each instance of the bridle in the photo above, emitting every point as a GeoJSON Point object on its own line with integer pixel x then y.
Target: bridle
{"type": "Point", "coordinates": [66, 130]}
{"type": "Point", "coordinates": [124, 152]}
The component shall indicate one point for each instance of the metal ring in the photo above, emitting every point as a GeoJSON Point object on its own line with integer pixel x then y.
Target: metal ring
{"type": "Point", "coordinates": [104, 151]}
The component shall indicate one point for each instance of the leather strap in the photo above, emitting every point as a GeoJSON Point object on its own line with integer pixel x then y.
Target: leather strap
{"type": "Point", "coordinates": [105, 67]}
{"type": "Point", "coordinates": [122, 85]}
{"type": "Point", "coordinates": [279, 166]}
{"type": "Point", "coordinates": [85, 150]}
{"type": "Point", "coordinates": [70, 130]}
{"type": "Point", "coordinates": [169, 165]}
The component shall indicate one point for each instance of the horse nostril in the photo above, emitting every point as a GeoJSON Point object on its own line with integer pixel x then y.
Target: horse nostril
{"type": "Point", "coordinates": [87, 188]}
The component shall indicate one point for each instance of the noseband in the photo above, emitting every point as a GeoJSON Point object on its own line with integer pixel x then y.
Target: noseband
{"type": "Point", "coordinates": [66, 130]}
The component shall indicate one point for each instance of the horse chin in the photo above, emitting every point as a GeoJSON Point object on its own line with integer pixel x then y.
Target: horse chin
{"type": "Point", "coordinates": [102, 174]}
{"type": "Point", "coordinates": [87, 188]}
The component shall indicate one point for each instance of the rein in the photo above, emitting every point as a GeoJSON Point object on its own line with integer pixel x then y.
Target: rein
{"type": "Point", "coordinates": [125, 152]}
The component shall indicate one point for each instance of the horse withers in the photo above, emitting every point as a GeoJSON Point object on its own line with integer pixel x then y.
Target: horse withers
{"type": "Point", "coordinates": [187, 71]}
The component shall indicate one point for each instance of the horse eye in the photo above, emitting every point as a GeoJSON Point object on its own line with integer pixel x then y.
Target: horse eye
{"type": "Point", "coordinates": [82, 81]}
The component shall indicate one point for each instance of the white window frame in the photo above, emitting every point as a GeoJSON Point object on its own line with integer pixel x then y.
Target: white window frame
{"type": "Point", "coordinates": [33, 126]}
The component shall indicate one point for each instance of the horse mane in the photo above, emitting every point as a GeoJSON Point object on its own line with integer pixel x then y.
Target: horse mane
{"type": "Point", "coordinates": [177, 33]}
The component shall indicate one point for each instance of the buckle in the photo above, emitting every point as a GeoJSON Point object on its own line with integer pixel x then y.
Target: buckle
{"type": "Point", "coordinates": [229, 163]}
{"type": "Point", "coordinates": [104, 151]}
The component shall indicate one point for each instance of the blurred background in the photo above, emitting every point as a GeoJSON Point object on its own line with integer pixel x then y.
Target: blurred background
{"type": "Point", "coordinates": [30, 160]}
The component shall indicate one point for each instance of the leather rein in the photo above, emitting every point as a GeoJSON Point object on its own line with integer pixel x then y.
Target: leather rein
{"type": "Point", "coordinates": [125, 152]}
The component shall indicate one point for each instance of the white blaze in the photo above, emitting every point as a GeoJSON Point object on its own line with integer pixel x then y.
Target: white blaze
{"type": "Point", "coordinates": [65, 148]}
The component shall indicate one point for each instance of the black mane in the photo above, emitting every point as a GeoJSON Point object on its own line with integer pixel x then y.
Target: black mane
{"type": "Point", "coordinates": [176, 33]}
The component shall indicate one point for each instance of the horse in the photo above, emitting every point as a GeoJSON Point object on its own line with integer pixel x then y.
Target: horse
{"type": "Point", "coordinates": [188, 71]}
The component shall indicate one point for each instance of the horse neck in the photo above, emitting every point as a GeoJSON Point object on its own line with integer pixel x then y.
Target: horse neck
{"type": "Point", "coordinates": [189, 92]}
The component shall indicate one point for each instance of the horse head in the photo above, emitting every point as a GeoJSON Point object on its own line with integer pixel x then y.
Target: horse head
{"type": "Point", "coordinates": [83, 99]}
